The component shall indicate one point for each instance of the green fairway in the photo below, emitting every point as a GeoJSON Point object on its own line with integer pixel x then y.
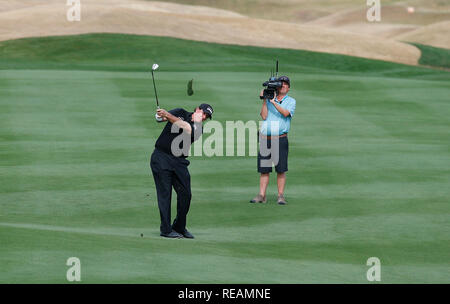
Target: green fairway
{"type": "Point", "coordinates": [368, 166]}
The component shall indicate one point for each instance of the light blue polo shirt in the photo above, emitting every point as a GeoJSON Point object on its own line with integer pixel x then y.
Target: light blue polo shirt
{"type": "Point", "coordinates": [276, 123]}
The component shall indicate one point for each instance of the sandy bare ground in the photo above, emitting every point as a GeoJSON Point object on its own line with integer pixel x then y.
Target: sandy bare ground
{"type": "Point", "coordinates": [436, 34]}
{"type": "Point", "coordinates": [19, 19]}
{"type": "Point", "coordinates": [395, 23]}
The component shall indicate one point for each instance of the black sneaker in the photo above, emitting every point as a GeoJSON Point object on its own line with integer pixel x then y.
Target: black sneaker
{"type": "Point", "coordinates": [187, 234]}
{"type": "Point", "coordinates": [172, 235]}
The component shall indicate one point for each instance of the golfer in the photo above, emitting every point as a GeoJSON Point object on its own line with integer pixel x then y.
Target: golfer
{"type": "Point", "coordinates": [276, 114]}
{"type": "Point", "coordinates": [169, 165]}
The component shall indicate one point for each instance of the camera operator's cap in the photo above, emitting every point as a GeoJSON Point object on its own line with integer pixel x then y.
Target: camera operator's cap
{"type": "Point", "coordinates": [285, 79]}
{"type": "Point", "coordinates": [207, 109]}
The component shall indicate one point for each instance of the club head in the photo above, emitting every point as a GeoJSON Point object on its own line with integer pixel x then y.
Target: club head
{"type": "Point", "coordinates": [155, 66]}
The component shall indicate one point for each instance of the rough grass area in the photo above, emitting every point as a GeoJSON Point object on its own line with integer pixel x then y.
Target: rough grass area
{"type": "Point", "coordinates": [119, 52]}
{"type": "Point", "coordinates": [433, 56]}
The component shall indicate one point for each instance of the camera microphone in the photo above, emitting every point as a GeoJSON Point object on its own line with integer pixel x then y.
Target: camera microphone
{"type": "Point", "coordinates": [272, 85]}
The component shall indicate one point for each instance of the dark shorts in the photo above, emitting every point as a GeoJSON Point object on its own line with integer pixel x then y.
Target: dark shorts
{"type": "Point", "coordinates": [279, 158]}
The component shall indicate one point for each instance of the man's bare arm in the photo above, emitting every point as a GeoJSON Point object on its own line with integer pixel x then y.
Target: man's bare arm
{"type": "Point", "coordinates": [175, 120]}
{"type": "Point", "coordinates": [280, 109]}
{"type": "Point", "coordinates": [263, 112]}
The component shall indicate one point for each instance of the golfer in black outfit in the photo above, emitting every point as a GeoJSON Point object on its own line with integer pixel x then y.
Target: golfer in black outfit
{"type": "Point", "coordinates": [169, 165]}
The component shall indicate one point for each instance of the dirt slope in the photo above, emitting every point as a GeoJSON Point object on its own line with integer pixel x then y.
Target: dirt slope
{"type": "Point", "coordinates": [44, 18]}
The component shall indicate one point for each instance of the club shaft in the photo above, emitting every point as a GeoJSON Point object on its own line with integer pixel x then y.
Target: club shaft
{"type": "Point", "coordinates": [154, 86]}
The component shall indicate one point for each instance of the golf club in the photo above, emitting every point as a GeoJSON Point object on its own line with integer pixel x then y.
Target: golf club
{"type": "Point", "coordinates": [155, 66]}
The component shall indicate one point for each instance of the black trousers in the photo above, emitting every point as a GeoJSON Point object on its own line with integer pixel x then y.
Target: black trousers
{"type": "Point", "coordinates": [170, 171]}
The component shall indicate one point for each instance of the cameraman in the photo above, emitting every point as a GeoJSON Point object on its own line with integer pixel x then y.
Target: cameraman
{"type": "Point", "coordinates": [275, 112]}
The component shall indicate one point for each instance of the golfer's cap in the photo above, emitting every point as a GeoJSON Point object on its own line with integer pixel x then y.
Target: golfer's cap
{"type": "Point", "coordinates": [206, 109]}
{"type": "Point", "coordinates": [285, 79]}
